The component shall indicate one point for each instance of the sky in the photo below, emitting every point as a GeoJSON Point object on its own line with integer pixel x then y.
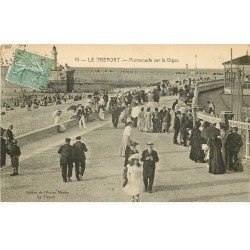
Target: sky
{"type": "Point", "coordinates": [129, 56]}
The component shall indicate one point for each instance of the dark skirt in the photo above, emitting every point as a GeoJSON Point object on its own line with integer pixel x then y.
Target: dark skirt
{"type": "Point", "coordinates": [3, 152]}
{"type": "Point", "coordinates": [196, 152]}
{"type": "Point", "coordinates": [216, 163]}
{"type": "Point", "coordinates": [3, 158]}
{"type": "Point", "coordinates": [156, 126]}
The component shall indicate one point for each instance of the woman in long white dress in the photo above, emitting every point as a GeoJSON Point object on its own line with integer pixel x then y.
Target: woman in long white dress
{"type": "Point", "coordinates": [102, 113]}
{"type": "Point", "coordinates": [148, 121]}
{"type": "Point", "coordinates": [57, 116]}
{"type": "Point", "coordinates": [141, 119]}
{"type": "Point", "coordinates": [150, 97]}
{"type": "Point", "coordinates": [135, 178]}
{"type": "Point", "coordinates": [126, 137]}
{"type": "Point", "coordinates": [57, 121]}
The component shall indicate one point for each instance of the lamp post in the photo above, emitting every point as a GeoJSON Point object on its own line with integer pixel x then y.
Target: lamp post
{"type": "Point", "coordinates": [195, 63]}
{"type": "Point", "coordinates": [195, 104]}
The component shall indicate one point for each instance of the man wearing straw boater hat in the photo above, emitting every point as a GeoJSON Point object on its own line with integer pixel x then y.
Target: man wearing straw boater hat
{"type": "Point", "coordinates": [80, 158]}
{"type": "Point", "coordinates": [149, 158]}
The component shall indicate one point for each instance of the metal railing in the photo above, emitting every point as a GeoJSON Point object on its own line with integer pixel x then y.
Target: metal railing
{"type": "Point", "coordinates": [208, 118]}
{"type": "Point", "coordinates": [210, 85]}
{"type": "Point", "coordinates": [244, 127]}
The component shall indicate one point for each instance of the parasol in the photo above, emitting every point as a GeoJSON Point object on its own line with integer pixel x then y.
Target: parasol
{"type": "Point", "coordinates": [73, 107]}
{"type": "Point", "coordinates": [210, 132]}
{"type": "Point", "coordinates": [179, 105]}
{"type": "Point", "coordinates": [147, 90]}
{"type": "Point", "coordinates": [56, 113]}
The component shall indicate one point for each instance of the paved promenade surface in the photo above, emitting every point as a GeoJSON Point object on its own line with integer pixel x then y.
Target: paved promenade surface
{"type": "Point", "coordinates": [177, 178]}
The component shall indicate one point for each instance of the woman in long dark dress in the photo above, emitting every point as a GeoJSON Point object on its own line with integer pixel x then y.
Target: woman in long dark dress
{"type": "Point", "coordinates": [156, 121]}
{"type": "Point", "coordinates": [216, 163]}
{"type": "Point", "coordinates": [196, 152]}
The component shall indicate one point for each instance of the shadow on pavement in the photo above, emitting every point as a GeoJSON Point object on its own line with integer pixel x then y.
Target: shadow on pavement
{"type": "Point", "coordinates": [162, 188]}
{"type": "Point", "coordinates": [209, 197]}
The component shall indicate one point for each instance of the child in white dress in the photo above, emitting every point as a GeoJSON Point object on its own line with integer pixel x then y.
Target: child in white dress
{"type": "Point", "coordinates": [135, 178]}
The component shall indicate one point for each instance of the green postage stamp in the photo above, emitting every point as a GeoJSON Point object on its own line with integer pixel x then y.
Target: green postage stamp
{"type": "Point", "coordinates": [30, 70]}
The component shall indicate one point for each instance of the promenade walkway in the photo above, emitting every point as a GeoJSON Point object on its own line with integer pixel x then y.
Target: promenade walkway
{"type": "Point", "coordinates": [177, 178]}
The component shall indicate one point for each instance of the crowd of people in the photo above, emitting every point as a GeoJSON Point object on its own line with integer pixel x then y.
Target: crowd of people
{"type": "Point", "coordinates": [71, 155]}
{"type": "Point", "coordinates": [218, 145]}
{"type": "Point", "coordinates": [214, 144]}
{"type": "Point", "coordinates": [9, 146]}
{"type": "Point", "coordinates": [31, 101]}
{"type": "Point", "coordinates": [94, 104]}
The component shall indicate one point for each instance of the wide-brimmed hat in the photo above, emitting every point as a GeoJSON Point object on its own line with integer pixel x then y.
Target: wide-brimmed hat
{"type": "Point", "coordinates": [134, 157]}
{"type": "Point", "coordinates": [150, 143]}
{"type": "Point", "coordinates": [130, 122]}
{"type": "Point", "coordinates": [133, 143]}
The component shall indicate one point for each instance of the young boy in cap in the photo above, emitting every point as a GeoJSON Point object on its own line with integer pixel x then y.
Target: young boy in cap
{"type": "Point", "coordinates": [149, 158]}
{"type": "Point", "coordinates": [66, 160]}
{"type": "Point", "coordinates": [80, 158]}
{"type": "Point", "coordinates": [14, 153]}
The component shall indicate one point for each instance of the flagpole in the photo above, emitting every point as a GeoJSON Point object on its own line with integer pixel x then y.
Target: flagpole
{"type": "Point", "coordinates": [231, 81]}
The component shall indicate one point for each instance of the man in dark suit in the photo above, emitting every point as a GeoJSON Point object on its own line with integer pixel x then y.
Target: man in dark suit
{"type": "Point", "coordinates": [167, 120]}
{"type": "Point", "coordinates": [80, 158]}
{"type": "Point", "coordinates": [3, 148]}
{"type": "Point", "coordinates": [162, 118]}
{"type": "Point", "coordinates": [130, 150]}
{"type": "Point", "coordinates": [66, 160]}
{"type": "Point", "coordinates": [105, 98]}
{"type": "Point", "coordinates": [9, 137]}
{"type": "Point", "coordinates": [9, 134]}
{"type": "Point", "coordinates": [115, 115]}
{"type": "Point", "coordinates": [149, 158]}
{"type": "Point", "coordinates": [233, 143]}
{"type": "Point", "coordinates": [183, 127]}
{"type": "Point", "coordinates": [174, 104]}
{"type": "Point", "coordinates": [177, 126]}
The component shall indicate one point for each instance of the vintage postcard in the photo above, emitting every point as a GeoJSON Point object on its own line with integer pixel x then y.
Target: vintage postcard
{"type": "Point", "coordinates": [125, 123]}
